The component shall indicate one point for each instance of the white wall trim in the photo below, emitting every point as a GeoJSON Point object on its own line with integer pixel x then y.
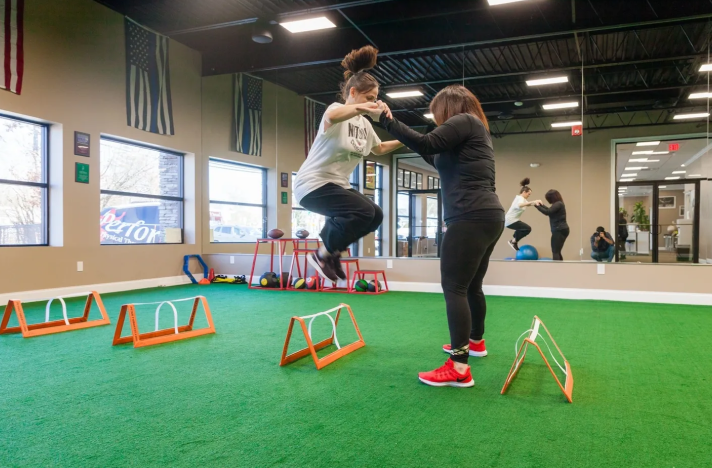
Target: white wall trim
{"type": "Point", "coordinates": [655, 297]}
{"type": "Point", "coordinates": [103, 288]}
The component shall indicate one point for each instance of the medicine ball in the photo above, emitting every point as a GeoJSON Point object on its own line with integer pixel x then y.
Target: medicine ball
{"type": "Point", "coordinates": [361, 285]}
{"type": "Point", "coordinates": [312, 282]}
{"type": "Point", "coordinates": [269, 280]}
{"type": "Point", "coordinates": [299, 283]}
{"type": "Point", "coordinates": [372, 286]}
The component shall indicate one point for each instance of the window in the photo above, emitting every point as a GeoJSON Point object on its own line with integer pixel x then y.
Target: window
{"type": "Point", "coordinates": [432, 217]}
{"type": "Point", "coordinates": [23, 183]}
{"type": "Point", "coordinates": [378, 198]}
{"type": "Point", "coordinates": [238, 201]}
{"type": "Point", "coordinates": [141, 194]}
{"type": "Point", "coordinates": [403, 228]}
{"type": "Point", "coordinates": [303, 219]}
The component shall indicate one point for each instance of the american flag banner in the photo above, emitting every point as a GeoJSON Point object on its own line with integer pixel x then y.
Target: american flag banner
{"type": "Point", "coordinates": [248, 114]}
{"type": "Point", "coordinates": [12, 56]}
{"type": "Point", "coordinates": [148, 82]}
{"type": "Point", "coordinates": [313, 113]}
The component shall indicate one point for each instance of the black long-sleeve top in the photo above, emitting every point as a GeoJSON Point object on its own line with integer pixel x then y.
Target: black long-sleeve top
{"type": "Point", "coordinates": [556, 214]}
{"type": "Point", "coordinates": [461, 151]}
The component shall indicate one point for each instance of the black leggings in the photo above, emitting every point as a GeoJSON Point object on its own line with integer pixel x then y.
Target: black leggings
{"type": "Point", "coordinates": [350, 215]}
{"type": "Point", "coordinates": [521, 230]}
{"type": "Point", "coordinates": [557, 242]}
{"type": "Point", "coordinates": [464, 257]}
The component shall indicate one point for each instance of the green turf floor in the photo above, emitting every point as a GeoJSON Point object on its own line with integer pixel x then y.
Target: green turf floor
{"type": "Point", "coordinates": [642, 395]}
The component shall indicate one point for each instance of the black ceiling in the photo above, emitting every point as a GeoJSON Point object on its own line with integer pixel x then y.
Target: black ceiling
{"type": "Point", "coordinates": [632, 57]}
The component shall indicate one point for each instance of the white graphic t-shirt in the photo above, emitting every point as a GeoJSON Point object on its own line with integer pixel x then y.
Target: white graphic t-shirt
{"type": "Point", "coordinates": [515, 211]}
{"type": "Point", "coordinates": [335, 154]}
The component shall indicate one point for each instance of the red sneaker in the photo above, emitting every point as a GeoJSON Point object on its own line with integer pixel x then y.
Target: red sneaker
{"type": "Point", "coordinates": [447, 376]}
{"type": "Point", "coordinates": [476, 349]}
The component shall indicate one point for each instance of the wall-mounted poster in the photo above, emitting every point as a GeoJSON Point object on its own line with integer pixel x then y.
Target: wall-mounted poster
{"type": "Point", "coordinates": [370, 175]}
{"type": "Point", "coordinates": [285, 179]}
{"type": "Point", "coordinates": [400, 177]}
{"type": "Point", "coordinates": [436, 183]}
{"type": "Point", "coordinates": [667, 202]}
{"type": "Point", "coordinates": [430, 182]}
{"type": "Point", "coordinates": [406, 179]}
{"type": "Point", "coordinates": [81, 144]}
{"type": "Point", "coordinates": [420, 181]}
{"type": "Point", "coordinates": [413, 180]}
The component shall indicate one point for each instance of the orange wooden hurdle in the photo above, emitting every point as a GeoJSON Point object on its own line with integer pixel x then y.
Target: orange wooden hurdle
{"type": "Point", "coordinates": [55, 326]}
{"type": "Point", "coordinates": [313, 348]}
{"type": "Point", "coordinates": [568, 387]}
{"type": "Point", "coordinates": [166, 335]}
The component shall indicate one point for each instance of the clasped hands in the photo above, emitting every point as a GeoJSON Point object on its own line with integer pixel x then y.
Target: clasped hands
{"type": "Point", "coordinates": [375, 109]}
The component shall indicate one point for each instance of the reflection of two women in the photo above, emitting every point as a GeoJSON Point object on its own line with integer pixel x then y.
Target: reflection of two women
{"type": "Point", "coordinates": [557, 219]}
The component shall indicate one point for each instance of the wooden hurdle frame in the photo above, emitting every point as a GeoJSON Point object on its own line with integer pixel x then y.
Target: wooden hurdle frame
{"type": "Point", "coordinates": [55, 326]}
{"type": "Point", "coordinates": [165, 335]}
{"type": "Point", "coordinates": [568, 387]}
{"type": "Point", "coordinates": [312, 348]}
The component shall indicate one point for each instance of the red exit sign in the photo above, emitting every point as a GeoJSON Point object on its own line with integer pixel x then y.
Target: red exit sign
{"type": "Point", "coordinates": [673, 146]}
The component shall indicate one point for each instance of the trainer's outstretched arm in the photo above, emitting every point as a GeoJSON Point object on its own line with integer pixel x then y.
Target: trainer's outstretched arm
{"type": "Point", "coordinates": [444, 138]}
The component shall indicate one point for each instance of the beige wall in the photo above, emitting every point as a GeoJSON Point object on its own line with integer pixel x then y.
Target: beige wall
{"type": "Point", "coordinates": [75, 79]}
{"type": "Point", "coordinates": [282, 151]}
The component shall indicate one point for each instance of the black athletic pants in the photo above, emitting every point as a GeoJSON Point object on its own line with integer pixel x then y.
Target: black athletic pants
{"type": "Point", "coordinates": [557, 242]}
{"type": "Point", "coordinates": [464, 257]}
{"type": "Point", "coordinates": [350, 215]}
{"type": "Point", "coordinates": [521, 230]}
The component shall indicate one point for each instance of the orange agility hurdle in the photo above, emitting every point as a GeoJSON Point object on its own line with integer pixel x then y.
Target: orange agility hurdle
{"type": "Point", "coordinates": [55, 326]}
{"type": "Point", "coordinates": [166, 335]}
{"type": "Point", "coordinates": [313, 348]}
{"type": "Point", "coordinates": [521, 352]}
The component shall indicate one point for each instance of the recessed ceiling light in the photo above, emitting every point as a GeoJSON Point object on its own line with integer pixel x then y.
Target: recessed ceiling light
{"type": "Point", "coordinates": [502, 2]}
{"type": "Point", "coordinates": [642, 152]}
{"type": "Point", "coordinates": [663, 186]}
{"type": "Point", "coordinates": [518, 103]}
{"type": "Point", "coordinates": [648, 143]}
{"type": "Point", "coordinates": [311, 24]}
{"type": "Point", "coordinates": [706, 67]}
{"type": "Point", "coordinates": [643, 160]}
{"type": "Point", "coordinates": [404, 94]}
{"type": "Point", "coordinates": [627, 180]}
{"type": "Point", "coordinates": [634, 174]}
{"type": "Point", "coordinates": [565, 124]}
{"type": "Point", "coordinates": [560, 105]}
{"type": "Point", "coordinates": [429, 116]}
{"type": "Point", "coordinates": [695, 175]}
{"type": "Point", "coordinates": [701, 115]}
{"type": "Point", "coordinates": [679, 172]}
{"type": "Point", "coordinates": [671, 178]}
{"type": "Point", "coordinates": [546, 81]}
{"type": "Point", "coordinates": [700, 96]}
{"type": "Point", "coordinates": [682, 165]}
{"type": "Point", "coordinates": [660, 152]}
{"type": "Point", "coordinates": [640, 168]}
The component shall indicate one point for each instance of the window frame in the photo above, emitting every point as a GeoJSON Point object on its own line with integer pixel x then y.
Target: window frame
{"type": "Point", "coordinates": [379, 191]}
{"type": "Point", "coordinates": [181, 178]}
{"type": "Point", "coordinates": [257, 205]}
{"type": "Point", "coordinates": [45, 155]}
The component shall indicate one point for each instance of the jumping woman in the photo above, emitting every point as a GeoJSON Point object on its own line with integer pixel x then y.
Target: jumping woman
{"type": "Point", "coordinates": [322, 183]}
{"type": "Point", "coordinates": [557, 219]}
{"type": "Point", "coordinates": [511, 219]}
{"type": "Point", "coordinates": [460, 148]}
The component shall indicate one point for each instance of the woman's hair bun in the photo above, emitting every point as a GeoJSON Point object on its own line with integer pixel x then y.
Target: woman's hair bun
{"type": "Point", "coordinates": [359, 60]}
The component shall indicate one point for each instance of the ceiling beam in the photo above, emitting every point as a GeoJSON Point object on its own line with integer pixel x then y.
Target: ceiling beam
{"type": "Point", "coordinates": [281, 16]}
{"type": "Point", "coordinates": [526, 38]}
{"type": "Point", "coordinates": [532, 72]}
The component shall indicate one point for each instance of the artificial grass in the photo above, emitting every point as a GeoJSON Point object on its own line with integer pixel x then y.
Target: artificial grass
{"type": "Point", "coordinates": [641, 396]}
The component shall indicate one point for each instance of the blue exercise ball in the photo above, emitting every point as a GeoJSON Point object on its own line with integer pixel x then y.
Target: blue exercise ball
{"type": "Point", "coordinates": [527, 252]}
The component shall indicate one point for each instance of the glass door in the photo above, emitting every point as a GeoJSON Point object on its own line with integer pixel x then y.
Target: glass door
{"type": "Point", "coordinates": [425, 221]}
{"type": "Point", "coordinates": [658, 222]}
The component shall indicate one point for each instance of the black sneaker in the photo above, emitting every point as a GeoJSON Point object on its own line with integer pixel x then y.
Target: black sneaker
{"type": "Point", "coordinates": [513, 244]}
{"type": "Point", "coordinates": [323, 266]}
{"type": "Point", "coordinates": [338, 269]}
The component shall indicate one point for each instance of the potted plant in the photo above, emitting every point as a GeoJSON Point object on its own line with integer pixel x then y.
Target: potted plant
{"type": "Point", "coordinates": [623, 211]}
{"type": "Point", "coordinates": [640, 217]}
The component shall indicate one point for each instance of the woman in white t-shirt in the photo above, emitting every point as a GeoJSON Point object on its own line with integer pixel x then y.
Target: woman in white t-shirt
{"type": "Point", "coordinates": [511, 219]}
{"type": "Point", "coordinates": [322, 183]}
